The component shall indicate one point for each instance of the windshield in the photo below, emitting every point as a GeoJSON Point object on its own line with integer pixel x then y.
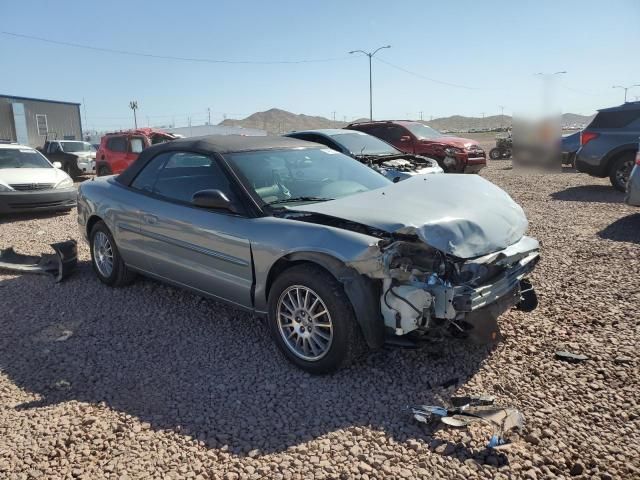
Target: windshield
{"type": "Point", "coordinates": [304, 175]}
{"type": "Point", "coordinates": [359, 143]}
{"type": "Point", "coordinates": [22, 158]}
{"type": "Point", "coordinates": [77, 147]}
{"type": "Point", "coordinates": [422, 132]}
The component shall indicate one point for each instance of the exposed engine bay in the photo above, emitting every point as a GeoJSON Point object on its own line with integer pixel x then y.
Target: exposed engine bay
{"type": "Point", "coordinates": [424, 289]}
{"type": "Point", "coordinates": [399, 167]}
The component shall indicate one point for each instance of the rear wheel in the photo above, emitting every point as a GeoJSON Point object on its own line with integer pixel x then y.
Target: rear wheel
{"type": "Point", "coordinates": [103, 170]}
{"type": "Point", "coordinates": [311, 320]}
{"type": "Point", "coordinates": [495, 154]}
{"type": "Point", "coordinates": [620, 171]}
{"type": "Point", "coordinates": [106, 259]}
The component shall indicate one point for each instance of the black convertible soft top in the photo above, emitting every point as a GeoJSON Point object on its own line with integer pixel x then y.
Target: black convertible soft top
{"type": "Point", "coordinates": [212, 144]}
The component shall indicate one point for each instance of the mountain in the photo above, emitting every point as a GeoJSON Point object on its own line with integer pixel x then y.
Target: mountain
{"type": "Point", "coordinates": [276, 121]}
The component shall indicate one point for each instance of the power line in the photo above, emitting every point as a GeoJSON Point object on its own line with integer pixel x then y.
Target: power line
{"type": "Point", "coordinates": [402, 69]}
{"type": "Point", "coordinates": [171, 57]}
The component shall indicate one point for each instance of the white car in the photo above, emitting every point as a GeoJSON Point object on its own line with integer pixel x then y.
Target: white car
{"type": "Point", "coordinates": [29, 182]}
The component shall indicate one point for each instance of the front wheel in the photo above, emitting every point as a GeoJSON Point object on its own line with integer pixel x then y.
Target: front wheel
{"type": "Point", "coordinates": [311, 320]}
{"type": "Point", "coordinates": [621, 170]}
{"type": "Point", "coordinates": [495, 154]}
{"type": "Point", "coordinates": [106, 259]}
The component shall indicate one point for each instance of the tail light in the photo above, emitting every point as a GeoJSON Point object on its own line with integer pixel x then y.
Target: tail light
{"type": "Point", "coordinates": [638, 158]}
{"type": "Point", "coordinates": [586, 137]}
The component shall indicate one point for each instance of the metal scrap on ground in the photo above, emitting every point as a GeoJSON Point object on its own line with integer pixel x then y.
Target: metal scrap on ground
{"type": "Point", "coordinates": [59, 264]}
{"type": "Point", "coordinates": [467, 410]}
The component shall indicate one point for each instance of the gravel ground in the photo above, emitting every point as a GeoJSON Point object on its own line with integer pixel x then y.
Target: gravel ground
{"type": "Point", "coordinates": [149, 381]}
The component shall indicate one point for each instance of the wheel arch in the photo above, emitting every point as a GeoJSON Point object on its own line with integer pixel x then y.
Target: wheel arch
{"type": "Point", "coordinates": [363, 292]}
{"type": "Point", "coordinates": [616, 153]}
{"type": "Point", "coordinates": [91, 221]}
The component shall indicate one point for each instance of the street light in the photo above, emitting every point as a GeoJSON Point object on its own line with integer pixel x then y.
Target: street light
{"type": "Point", "coordinates": [626, 89]}
{"type": "Point", "coordinates": [133, 105]}
{"type": "Point", "coordinates": [370, 55]}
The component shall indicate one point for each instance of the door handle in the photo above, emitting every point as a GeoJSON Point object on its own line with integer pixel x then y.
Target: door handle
{"type": "Point", "coordinates": [150, 219]}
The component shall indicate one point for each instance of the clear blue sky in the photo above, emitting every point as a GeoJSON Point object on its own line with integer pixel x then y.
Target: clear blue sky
{"type": "Point", "coordinates": [493, 46]}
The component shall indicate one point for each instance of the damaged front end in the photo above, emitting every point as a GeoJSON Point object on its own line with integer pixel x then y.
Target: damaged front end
{"type": "Point", "coordinates": [427, 292]}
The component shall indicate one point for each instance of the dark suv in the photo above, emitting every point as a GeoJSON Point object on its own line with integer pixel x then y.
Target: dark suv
{"type": "Point", "coordinates": [454, 154]}
{"type": "Point", "coordinates": [609, 144]}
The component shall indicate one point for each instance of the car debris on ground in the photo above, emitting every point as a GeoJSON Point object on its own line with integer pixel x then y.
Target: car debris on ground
{"type": "Point", "coordinates": [467, 410]}
{"type": "Point", "coordinates": [59, 264]}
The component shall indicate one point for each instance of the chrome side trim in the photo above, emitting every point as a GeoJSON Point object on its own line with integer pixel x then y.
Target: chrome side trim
{"type": "Point", "coordinates": [192, 247]}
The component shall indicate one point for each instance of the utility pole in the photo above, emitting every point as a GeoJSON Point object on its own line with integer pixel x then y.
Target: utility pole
{"type": "Point", "coordinates": [420, 116]}
{"type": "Point", "coordinates": [501, 107]}
{"type": "Point", "coordinates": [84, 109]}
{"type": "Point", "coordinates": [482, 113]}
{"type": "Point", "coordinates": [209, 116]}
{"type": "Point", "coordinates": [370, 55]}
{"type": "Point", "coordinates": [334, 118]}
{"type": "Point", "coordinates": [133, 105]}
{"type": "Point", "coordinates": [626, 89]}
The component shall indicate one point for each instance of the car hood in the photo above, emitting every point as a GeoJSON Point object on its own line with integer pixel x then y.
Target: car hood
{"type": "Point", "coordinates": [462, 215]}
{"type": "Point", "coordinates": [454, 141]}
{"type": "Point", "coordinates": [31, 175]}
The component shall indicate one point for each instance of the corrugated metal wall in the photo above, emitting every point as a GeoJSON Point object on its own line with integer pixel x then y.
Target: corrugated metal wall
{"type": "Point", "coordinates": [63, 119]}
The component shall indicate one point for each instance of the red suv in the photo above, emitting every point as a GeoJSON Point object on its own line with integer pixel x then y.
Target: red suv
{"type": "Point", "coordinates": [454, 154]}
{"type": "Point", "coordinates": [118, 150]}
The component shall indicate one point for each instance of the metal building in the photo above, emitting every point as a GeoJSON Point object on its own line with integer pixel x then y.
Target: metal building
{"type": "Point", "coordinates": [30, 120]}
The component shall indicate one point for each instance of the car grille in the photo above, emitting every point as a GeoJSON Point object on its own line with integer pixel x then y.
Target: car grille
{"type": "Point", "coordinates": [57, 203]}
{"type": "Point", "coordinates": [24, 187]}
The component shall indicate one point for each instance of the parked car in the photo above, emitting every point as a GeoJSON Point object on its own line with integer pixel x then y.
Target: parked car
{"type": "Point", "coordinates": [609, 143]}
{"type": "Point", "coordinates": [118, 150]}
{"type": "Point", "coordinates": [335, 255]}
{"type": "Point", "coordinates": [76, 157]}
{"type": "Point", "coordinates": [633, 185]}
{"type": "Point", "coordinates": [370, 150]}
{"type": "Point", "coordinates": [454, 154]}
{"type": "Point", "coordinates": [29, 182]}
{"type": "Point", "coordinates": [569, 145]}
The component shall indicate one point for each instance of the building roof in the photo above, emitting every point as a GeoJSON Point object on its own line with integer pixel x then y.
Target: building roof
{"type": "Point", "coordinates": [37, 99]}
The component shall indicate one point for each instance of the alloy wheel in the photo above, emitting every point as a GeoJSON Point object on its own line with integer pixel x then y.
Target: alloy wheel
{"type": "Point", "coordinates": [304, 323]}
{"type": "Point", "coordinates": [623, 173]}
{"type": "Point", "coordinates": [103, 254]}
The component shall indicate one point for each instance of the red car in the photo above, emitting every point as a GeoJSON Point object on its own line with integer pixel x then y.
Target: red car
{"type": "Point", "coordinates": [118, 150]}
{"type": "Point", "coordinates": [454, 154]}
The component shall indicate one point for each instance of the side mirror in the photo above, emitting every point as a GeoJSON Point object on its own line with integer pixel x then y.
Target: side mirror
{"type": "Point", "coordinates": [405, 138]}
{"type": "Point", "coordinates": [213, 199]}
{"type": "Point", "coordinates": [57, 164]}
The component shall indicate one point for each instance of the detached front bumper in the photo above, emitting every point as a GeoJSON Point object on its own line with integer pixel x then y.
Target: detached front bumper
{"type": "Point", "coordinates": [50, 200]}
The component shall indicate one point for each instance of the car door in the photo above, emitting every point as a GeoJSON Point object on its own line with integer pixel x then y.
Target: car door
{"type": "Point", "coordinates": [397, 136]}
{"type": "Point", "coordinates": [117, 152]}
{"type": "Point", "coordinates": [202, 249]}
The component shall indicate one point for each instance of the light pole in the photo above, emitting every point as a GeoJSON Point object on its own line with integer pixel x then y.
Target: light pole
{"type": "Point", "coordinates": [370, 55]}
{"type": "Point", "coordinates": [133, 105]}
{"type": "Point", "coordinates": [625, 89]}
{"type": "Point", "coordinates": [501, 107]}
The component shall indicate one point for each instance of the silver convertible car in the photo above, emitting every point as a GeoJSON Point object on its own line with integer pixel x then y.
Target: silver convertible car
{"type": "Point", "coordinates": [336, 256]}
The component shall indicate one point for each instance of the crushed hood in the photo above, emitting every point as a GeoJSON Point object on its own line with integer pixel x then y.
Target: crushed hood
{"type": "Point", "coordinates": [462, 215]}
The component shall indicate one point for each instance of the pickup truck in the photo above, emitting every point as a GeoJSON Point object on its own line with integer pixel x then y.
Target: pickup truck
{"type": "Point", "coordinates": [76, 157]}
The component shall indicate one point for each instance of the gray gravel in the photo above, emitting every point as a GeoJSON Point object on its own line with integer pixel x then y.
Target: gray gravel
{"type": "Point", "coordinates": [150, 381]}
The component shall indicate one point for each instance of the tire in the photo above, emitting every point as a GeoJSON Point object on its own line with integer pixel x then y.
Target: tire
{"type": "Point", "coordinates": [327, 348]}
{"type": "Point", "coordinates": [620, 171]}
{"type": "Point", "coordinates": [495, 154]}
{"type": "Point", "coordinates": [103, 170]}
{"type": "Point", "coordinates": [101, 242]}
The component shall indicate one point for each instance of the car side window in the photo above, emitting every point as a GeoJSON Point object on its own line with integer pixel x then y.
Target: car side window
{"type": "Point", "coordinates": [117, 144]}
{"type": "Point", "coordinates": [136, 144]}
{"type": "Point", "coordinates": [179, 175]}
{"type": "Point", "coordinates": [393, 133]}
